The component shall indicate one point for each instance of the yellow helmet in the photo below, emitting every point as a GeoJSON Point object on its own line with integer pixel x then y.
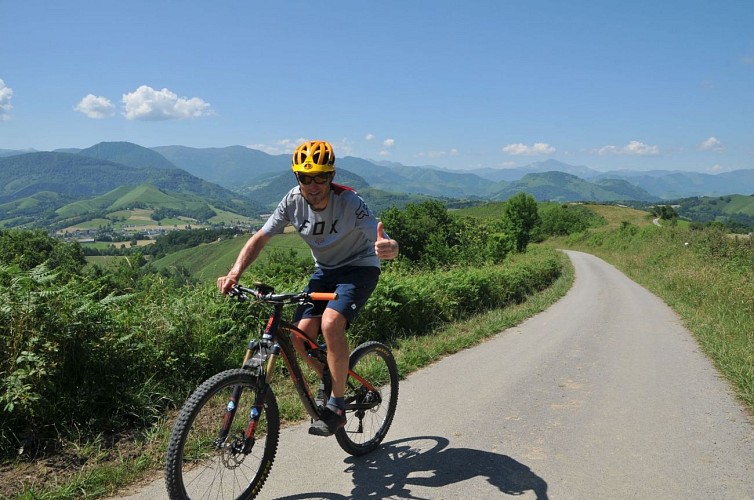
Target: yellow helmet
{"type": "Point", "coordinates": [314, 157]}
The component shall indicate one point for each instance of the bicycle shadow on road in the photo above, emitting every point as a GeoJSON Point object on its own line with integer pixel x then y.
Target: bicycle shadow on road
{"type": "Point", "coordinates": [427, 461]}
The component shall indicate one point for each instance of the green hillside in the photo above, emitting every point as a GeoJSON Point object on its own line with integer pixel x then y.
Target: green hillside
{"type": "Point", "coordinates": [148, 199]}
{"type": "Point", "coordinates": [22, 210]}
{"type": "Point", "coordinates": [206, 262]}
{"type": "Point", "coordinates": [92, 205]}
{"type": "Point", "coordinates": [563, 187]}
{"type": "Point", "coordinates": [110, 201]}
{"type": "Point", "coordinates": [149, 195]}
{"type": "Point", "coordinates": [99, 184]}
{"type": "Point", "coordinates": [726, 209]}
{"type": "Point", "coordinates": [63, 173]}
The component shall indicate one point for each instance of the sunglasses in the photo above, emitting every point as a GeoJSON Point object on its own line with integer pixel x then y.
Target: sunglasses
{"type": "Point", "coordinates": [317, 179]}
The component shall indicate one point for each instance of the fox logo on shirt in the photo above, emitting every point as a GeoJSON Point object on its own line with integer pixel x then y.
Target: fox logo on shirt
{"type": "Point", "coordinates": [362, 211]}
{"type": "Point", "coordinates": [319, 227]}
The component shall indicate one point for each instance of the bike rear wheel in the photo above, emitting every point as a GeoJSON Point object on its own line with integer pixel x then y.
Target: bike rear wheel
{"type": "Point", "coordinates": [198, 465]}
{"type": "Point", "coordinates": [369, 411]}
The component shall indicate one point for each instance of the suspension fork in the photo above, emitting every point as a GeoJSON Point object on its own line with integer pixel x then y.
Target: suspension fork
{"type": "Point", "coordinates": [256, 411]}
{"type": "Point", "coordinates": [228, 417]}
{"type": "Point", "coordinates": [264, 378]}
{"type": "Point", "coordinates": [264, 374]}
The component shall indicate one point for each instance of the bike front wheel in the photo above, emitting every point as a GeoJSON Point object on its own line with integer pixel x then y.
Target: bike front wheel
{"type": "Point", "coordinates": [371, 398]}
{"type": "Point", "coordinates": [208, 455]}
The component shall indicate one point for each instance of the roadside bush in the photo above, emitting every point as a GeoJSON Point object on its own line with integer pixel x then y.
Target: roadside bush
{"type": "Point", "coordinates": [413, 304]}
{"type": "Point", "coordinates": [60, 365]}
{"type": "Point", "coordinates": [79, 361]}
{"type": "Point", "coordinates": [565, 219]}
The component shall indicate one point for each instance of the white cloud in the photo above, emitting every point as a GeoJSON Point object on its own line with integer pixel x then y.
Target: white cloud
{"type": "Point", "coordinates": [369, 137]}
{"type": "Point", "coordinates": [146, 103]}
{"type": "Point", "coordinates": [608, 150]}
{"type": "Point", "coordinates": [641, 149]}
{"type": "Point", "coordinates": [633, 148]}
{"type": "Point", "coordinates": [343, 148]}
{"type": "Point", "coordinates": [440, 154]}
{"type": "Point", "coordinates": [539, 148]}
{"type": "Point", "coordinates": [96, 107]}
{"type": "Point", "coordinates": [716, 168]}
{"type": "Point", "coordinates": [388, 143]}
{"type": "Point", "coordinates": [282, 146]}
{"type": "Point", "coordinates": [711, 144]}
{"type": "Point", "coordinates": [6, 93]}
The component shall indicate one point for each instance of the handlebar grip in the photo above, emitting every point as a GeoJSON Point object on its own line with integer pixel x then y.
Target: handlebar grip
{"type": "Point", "coordinates": [323, 296]}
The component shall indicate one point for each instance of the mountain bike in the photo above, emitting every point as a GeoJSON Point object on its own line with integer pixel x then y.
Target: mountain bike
{"type": "Point", "coordinates": [225, 438]}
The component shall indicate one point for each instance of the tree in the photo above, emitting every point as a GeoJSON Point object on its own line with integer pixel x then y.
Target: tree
{"type": "Point", "coordinates": [664, 212]}
{"type": "Point", "coordinates": [521, 217]}
{"type": "Point", "coordinates": [564, 219]}
{"type": "Point", "coordinates": [425, 232]}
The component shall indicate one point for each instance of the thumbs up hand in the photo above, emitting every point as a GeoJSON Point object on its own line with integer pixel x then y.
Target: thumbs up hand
{"type": "Point", "coordinates": [384, 247]}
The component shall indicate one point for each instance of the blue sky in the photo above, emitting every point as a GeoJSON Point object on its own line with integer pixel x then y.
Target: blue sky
{"type": "Point", "coordinates": [639, 85]}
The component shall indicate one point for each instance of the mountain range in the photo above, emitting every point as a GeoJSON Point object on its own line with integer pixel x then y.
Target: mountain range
{"type": "Point", "coordinates": [236, 166]}
{"type": "Point", "coordinates": [249, 182]}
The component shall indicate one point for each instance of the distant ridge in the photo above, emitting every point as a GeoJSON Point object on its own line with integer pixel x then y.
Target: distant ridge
{"type": "Point", "coordinates": [514, 174]}
{"type": "Point", "coordinates": [564, 187]}
{"type": "Point", "coordinates": [127, 153]}
{"type": "Point", "coordinates": [230, 166]}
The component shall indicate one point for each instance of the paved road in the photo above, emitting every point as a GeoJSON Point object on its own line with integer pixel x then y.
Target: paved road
{"type": "Point", "coordinates": [603, 396]}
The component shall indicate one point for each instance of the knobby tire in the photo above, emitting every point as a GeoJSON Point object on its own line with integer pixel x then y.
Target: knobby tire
{"type": "Point", "coordinates": [195, 467]}
{"type": "Point", "coordinates": [366, 428]}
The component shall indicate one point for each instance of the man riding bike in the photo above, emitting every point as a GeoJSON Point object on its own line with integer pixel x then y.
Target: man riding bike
{"type": "Point", "coordinates": [347, 243]}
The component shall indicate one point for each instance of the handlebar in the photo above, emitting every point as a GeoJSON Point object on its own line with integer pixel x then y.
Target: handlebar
{"type": "Point", "coordinates": [265, 293]}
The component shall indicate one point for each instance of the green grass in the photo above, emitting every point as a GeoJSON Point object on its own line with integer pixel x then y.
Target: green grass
{"type": "Point", "coordinates": [92, 224]}
{"type": "Point", "coordinates": [485, 211]}
{"type": "Point", "coordinates": [229, 218]}
{"type": "Point", "coordinates": [616, 215]}
{"type": "Point", "coordinates": [206, 262]}
{"type": "Point", "coordinates": [101, 245]}
{"type": "Point", "coordinates": [149, 194]}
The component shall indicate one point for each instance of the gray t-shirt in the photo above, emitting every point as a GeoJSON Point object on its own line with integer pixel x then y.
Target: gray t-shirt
{"type": "Point", "coordinates": [343, 234]}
